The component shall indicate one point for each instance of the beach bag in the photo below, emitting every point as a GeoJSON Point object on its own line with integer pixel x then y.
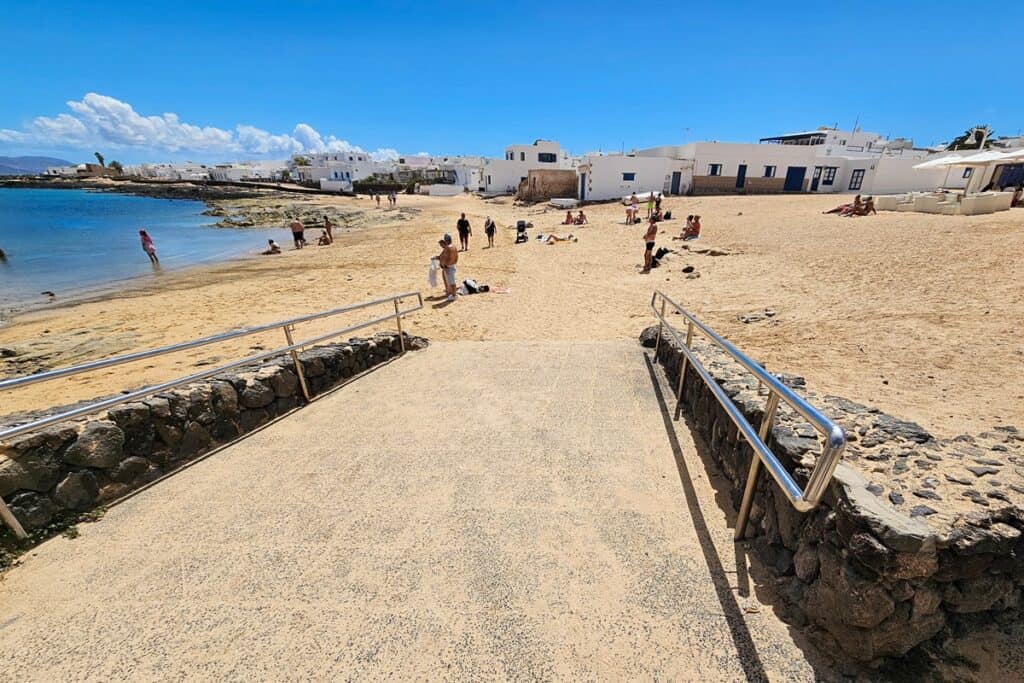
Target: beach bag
{"type": "Point", "coordinates": [432, 272]}
{"type": "Point", "coordinates": [668, 215]}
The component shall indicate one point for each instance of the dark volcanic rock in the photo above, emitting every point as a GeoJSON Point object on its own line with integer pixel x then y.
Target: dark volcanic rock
{"type": "Point", "coordinates": [77, 491]}
{"type": "Point", "coordinates": [100, 445]}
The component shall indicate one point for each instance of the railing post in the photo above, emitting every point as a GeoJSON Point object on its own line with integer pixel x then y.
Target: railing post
{"type": "Point", "coordinates": [12, 521]}
{"type": "Point", "coordinates": [398, 320]}
{"type": "Point", "coordinates": [755, 466]}
{"type": "Point", "coordinates": [682, 370]}
{"type": "Point", "coordinates": [295, 359]}
{"type": "Point", "coordinates": [661, 323]}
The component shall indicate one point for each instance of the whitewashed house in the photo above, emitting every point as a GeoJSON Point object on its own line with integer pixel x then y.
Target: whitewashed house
{"type": "Point", "coordinates": [825, 160]}
{"type": "Point", "coordinates": [61, 171]}
{"type": "Point", "coordinates": [251, 171]}
{"type": "Point", "coordinates": [336, 171]}
{"type": "Point", "coordinates": [502, 176]}
{"type": "Point", "coordinates": [609, 176]}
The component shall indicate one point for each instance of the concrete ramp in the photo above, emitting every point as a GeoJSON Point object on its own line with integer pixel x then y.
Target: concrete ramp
{"type": "Point", "coordinates": [475, 510]}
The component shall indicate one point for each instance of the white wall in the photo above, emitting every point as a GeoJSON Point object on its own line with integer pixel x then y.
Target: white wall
{"type": "Point", "coordinates": [502, 175]}
{"type": "Point", "coordinates": [894, 175]}
{"type": "Point", "coordinates": [604, 175]}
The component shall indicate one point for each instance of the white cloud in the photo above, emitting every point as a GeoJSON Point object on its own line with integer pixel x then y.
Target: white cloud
{"type": "Point", "coordinates": [385, 154]}
{"type": "Point", "coordinates": [8, 135]}
{"type": "Point", "coordinates": [102, 121]}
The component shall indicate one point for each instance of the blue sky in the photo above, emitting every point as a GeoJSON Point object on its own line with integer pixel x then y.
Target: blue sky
{"type": "Point", "coordinates": [469, 78]}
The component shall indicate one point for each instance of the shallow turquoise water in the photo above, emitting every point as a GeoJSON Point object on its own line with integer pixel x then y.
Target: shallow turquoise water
{"type": "Point", "coordinates": [73, 241]}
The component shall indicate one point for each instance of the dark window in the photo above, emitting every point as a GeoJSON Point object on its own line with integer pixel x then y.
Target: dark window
{"type": "Point", "coordinates": [522, 156]}
{"type": "Point", "coordinates": [714, 169]}
{"type": "Point", "coordinates": [546, 158]}
{"type": "Point", "coordinates": [628, 177]}
{"type": "Point", "coordinates": [769, 171]}
{"type": "Point", "coordinates": [968, 172]}
{"type": "Point", "coordinates": [350, 158]}
{"type": "Point", "coordinates": [830, 175]}
{"type": "Point", "coordinates": [488, 180]}
{"type": "Point", "coordinates": [857, 179]}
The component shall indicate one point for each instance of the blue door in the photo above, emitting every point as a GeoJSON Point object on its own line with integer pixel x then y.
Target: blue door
{"type": "Point", "coordinates": [815, 178]}
{"type": "Point", "coordinates": [795, 179]}
{"type": "Point", "coordinates": [677, 178]}
{"type": "Point", "coordinates": [583, 186]}
{"type": "Point", "coordinates": [741, 176]}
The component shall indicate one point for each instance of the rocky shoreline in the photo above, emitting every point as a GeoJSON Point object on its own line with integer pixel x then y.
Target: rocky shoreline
{"type": "Point", "coordinates": [237, 206]}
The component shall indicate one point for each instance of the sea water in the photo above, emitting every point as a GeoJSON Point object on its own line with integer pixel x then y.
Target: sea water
{"type": "Point", "coordinates": [70, 242]}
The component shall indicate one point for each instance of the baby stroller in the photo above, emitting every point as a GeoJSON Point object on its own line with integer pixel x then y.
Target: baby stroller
{"type": "Point", "coordinates": [521, 235]}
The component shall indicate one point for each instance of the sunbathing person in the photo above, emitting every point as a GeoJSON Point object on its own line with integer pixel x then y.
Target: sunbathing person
{"type": "Point", "coordinates": [846, 207]}
{"type": "Point", "coordinates": [581, 219]}
{"type": "Point", "coordinates": [552, 238]}
{"type": "Point", "coordinates": [568, 218]}
{"type": "Point", "coordinates": [868, 207]}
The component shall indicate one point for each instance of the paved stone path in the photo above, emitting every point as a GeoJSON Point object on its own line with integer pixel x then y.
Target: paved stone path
{"type": "Point", "coordinates": [475, 510]}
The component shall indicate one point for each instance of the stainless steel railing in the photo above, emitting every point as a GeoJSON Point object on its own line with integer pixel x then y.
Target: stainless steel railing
{"type": "Point", "coordinates": [834, 438]}
{"type": "Point", "coordinates": [292, 347]}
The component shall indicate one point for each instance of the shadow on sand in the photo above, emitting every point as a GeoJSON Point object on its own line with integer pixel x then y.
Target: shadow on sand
{"type": "Point", "coordinates": [746, 650]}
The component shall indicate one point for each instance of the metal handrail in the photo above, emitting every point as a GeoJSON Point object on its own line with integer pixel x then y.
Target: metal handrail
{"type": "Point", "coordinates": [834, 438]}
{"type": "Point", "coordinates": [287, 326]}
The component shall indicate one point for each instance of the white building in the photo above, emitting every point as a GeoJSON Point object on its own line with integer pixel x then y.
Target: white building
{"type": "Point", "coordinates": [336, 170]}
{"type": "Point", "coordinates": [62, 171]}
{"type": "Point", "coordinates": [253, 171]}
{"type": "Point", "coordinates": [609, 176]}
{"type": "Point", "coordinates": [825, 160]}
{"type": "Point", "coordinates": [502, 176]}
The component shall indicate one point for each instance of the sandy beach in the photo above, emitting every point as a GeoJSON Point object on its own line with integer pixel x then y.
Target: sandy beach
{"type": "Point", "coordinates": [916, 314]}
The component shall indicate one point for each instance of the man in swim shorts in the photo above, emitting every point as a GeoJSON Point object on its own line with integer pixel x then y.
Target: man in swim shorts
{"type": "Point", "coordinates": [649, 237]}
{"type": "Point", "coordinates": [448, 258]}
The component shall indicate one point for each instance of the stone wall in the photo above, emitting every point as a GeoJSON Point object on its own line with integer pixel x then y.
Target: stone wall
{"type": "Point", "coordinates": [706, 184]}
{"type": "Point", "coordinates": [544, 184]}
{"type": "Point", "coordinates": [49, 477]}
{"type": "Point", "coordinates": [863, 572]}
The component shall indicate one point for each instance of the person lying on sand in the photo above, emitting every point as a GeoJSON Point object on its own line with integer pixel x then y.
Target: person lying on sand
{"type": "Point", "coordinates": [846, 207]}
{"type": "Point", "coordinates": [552, 238]}
{"type": "Point", "coordinates": [866, 208]}
{"type": "Point", "coordinates": [272, 248]}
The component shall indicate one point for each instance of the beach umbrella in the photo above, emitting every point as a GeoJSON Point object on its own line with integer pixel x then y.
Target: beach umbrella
{"type": "Point", "coordinates": [941, 162]}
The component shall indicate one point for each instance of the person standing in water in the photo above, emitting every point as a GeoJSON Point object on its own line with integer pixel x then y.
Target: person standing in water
{"type": "Point", "coordinates": [148, 246]}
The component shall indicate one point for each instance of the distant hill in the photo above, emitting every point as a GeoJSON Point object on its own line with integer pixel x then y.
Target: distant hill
{"type": "Point", "coordinates": [28, 165]}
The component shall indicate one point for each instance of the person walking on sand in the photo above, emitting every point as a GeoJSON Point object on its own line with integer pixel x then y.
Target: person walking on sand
{"type": "Point", "coordinates": [148, 246]}
{"type": "Point", "coordinates": [464, 232]}
{"type": "Point", "coordinates": [650, 205]}
{"type": "Point", "coordinates": [377, 197]}
{"type": "Point", "coordinates": [649, 237]}
{"type": "Point", "coordinates": [489, 230]}
{"type": "Point", "coordinates": [448, 258]}
{"type": "Point", "coordinates": [329, 229]}
{"type": "Point", "coordinates": [298, 233]}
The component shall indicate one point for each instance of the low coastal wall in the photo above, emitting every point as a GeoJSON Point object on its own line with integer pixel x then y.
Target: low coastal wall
{"type": "Point", "coordinates": [892, 559]}
{"type": "Point", "coordinates": [48, 478]}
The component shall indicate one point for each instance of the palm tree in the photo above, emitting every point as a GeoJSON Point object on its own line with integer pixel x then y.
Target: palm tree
{"type": "Point", "coordinates": [99, 158]}
{"type": "Point", "coordinates": [978, 137]}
